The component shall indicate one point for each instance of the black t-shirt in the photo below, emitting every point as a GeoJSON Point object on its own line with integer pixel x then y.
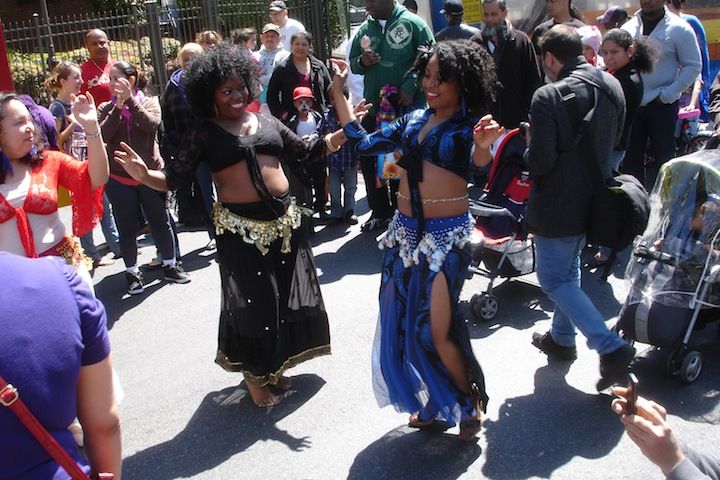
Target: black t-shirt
{"type": "Point", "coordinates": [649, 26]}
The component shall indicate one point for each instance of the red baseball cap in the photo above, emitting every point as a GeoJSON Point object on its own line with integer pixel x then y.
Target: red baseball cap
{"type": "Point", "coordinates": [302, 92]}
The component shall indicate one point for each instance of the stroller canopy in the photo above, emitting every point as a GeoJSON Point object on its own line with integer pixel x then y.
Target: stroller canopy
{"type": "Point", "coordinates": [681, 242]}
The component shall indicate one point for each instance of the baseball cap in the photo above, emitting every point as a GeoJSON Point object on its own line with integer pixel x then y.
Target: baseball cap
{"type": "Point", "coordinates": [302, 92]}
{"type": "Point", "coordinates": [277, 5]}
{"type": "Point", "coordinates": [611, 13]}
{"type": "Point", "coordinates": [270, 27]}
{"type": "Point", "coordinates": [452, 7]}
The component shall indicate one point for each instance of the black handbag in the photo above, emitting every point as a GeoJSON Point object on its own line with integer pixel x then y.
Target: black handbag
{"type": "Point", "coordinates": [619, 211]}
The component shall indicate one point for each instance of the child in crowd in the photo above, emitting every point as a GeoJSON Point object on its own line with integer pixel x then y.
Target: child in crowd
{"type": "Point", "coordinates": [65, 82]}
{"type": "Point", "coordinates": [342, 167]}
{"type": "Point", "coordinates": [307, 123]}
{"type": "Point", "coordinates": [591, 40]}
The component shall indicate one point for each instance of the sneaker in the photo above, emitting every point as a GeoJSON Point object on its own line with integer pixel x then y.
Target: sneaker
{"type": "Point", "coordinates": [350, 218]}
{"type": "Point", "coordinates": [135, 284]}
{"type": "Point", "coordinates": [374, 224]}
{"type": "Point", "coordinates": [546, 344]}
{"type": "Point", "coordinates": [614, 366]}
{"type": "Point", "coordinates": [176, 274]}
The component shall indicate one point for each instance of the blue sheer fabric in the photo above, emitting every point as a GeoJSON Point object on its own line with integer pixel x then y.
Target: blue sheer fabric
{"type": "Point", "coordinates": [407, 371]}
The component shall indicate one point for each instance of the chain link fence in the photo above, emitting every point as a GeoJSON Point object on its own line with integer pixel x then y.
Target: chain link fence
{"type": "Point", "coordinates": [150, 34]}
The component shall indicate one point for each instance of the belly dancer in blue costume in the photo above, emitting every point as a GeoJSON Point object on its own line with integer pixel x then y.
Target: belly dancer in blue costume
{"type": "Point", "coordinates": [423, 363]}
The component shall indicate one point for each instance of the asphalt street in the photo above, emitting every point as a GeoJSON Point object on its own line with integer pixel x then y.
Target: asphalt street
{"type": "Point", "coordinates": [184, 417]}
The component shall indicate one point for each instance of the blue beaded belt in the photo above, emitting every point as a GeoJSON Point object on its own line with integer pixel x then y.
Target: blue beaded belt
{"type": "Point", "coordinates": [439, 236]}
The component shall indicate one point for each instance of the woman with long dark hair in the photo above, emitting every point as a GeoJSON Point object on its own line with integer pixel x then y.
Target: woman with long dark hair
{"type": "Point", "coordinates": [625, 58]}
{"type": "Point", "coordinates": [423, 360]}
{"type": "Point", "coordinates": [300, 69]}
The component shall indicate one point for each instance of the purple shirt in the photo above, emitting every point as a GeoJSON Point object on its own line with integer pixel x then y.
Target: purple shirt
{"type": "Point", "coordinates": [51, 326]}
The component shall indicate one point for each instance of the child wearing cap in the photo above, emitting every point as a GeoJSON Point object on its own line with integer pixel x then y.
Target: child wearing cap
{"type": "Point", "coordinates": [309, 123]}
{"type": "Point", "coordinates": [591, 40]}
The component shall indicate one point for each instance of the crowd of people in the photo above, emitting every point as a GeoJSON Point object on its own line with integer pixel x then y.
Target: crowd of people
{"type": "Point", "coordinates": [266, 142]}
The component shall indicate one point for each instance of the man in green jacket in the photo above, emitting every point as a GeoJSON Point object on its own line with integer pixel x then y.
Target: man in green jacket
{"type": "Point", "coordinates": [383, 50]}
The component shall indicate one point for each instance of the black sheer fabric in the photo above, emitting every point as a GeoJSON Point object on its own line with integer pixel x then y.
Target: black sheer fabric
{"type": "Point", "coordinates": [220, 149]}
{"type": "Point", "coordinates": [272, 315]}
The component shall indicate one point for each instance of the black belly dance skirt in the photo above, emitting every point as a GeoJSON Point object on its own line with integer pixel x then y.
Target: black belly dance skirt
{"type": "Point", "coordinates": [272, 316]}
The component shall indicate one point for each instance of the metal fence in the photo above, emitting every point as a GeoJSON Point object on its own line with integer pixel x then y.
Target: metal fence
{"type": "Point", "coordinates": [149, 35]}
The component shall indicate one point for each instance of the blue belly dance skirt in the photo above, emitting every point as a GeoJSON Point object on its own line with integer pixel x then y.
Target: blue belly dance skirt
{"type": "Point", "coordinates": [407, 371]}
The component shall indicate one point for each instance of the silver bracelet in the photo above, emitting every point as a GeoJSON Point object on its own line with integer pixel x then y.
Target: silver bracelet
{"type": "Point", "coordinates": [92, 135]}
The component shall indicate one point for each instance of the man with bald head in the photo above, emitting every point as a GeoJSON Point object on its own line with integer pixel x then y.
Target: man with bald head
{"type": "Point", "coordinates": [96, 71]}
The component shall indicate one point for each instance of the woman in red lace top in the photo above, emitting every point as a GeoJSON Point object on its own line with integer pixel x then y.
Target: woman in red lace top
{"type": "Point", "coordinates": [29, 177]}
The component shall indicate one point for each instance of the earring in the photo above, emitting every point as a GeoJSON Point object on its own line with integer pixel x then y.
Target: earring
{"type": "Point", "coordinates": [215, 110]}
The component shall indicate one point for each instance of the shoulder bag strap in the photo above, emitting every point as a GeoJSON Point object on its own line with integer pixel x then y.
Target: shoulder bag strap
{"type": "Point", "coordinates": [568, 98]}
{"type": "Point", "coordinates": [10, 398]}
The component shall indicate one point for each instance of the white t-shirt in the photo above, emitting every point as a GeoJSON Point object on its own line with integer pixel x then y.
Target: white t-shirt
{"type": "Point", "coordinates": [306, 127]}
{"type": "Point", "coordinates": [291, 28]}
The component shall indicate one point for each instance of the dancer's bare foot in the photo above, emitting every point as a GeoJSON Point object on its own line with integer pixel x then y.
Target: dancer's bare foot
{"type": "Point", "coordinates": [469, 429]}
{"type": "Point", "coordinates": [262, 396]}
{"type": "Point", "coordinates": [415, 422]}
{"type": "Point", "coordinates": [284, 383]}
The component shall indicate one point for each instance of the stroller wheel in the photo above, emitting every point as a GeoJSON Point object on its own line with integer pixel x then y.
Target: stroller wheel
{"type": "Point", "coordinates": [691, 366]}
{"type": "Point", "coordinates": [484, 306]}
{"type": "Point", "coordinates": [674, 361]}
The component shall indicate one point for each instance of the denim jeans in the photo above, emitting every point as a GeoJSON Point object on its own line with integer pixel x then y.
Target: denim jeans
{"type": "Point", "coordinates": [558, 270]}
{"type": "Point", "coordinates": [107, 224]}
{"type": "Point", "coordinates": [348, 181]}
{"type": "Point", "coordinates": [126, 201]}
{"type": "Point", "coordinates": [205, 182]}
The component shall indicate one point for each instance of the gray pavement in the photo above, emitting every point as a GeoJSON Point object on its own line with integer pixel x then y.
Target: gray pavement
{"type": "Point", "coordinates": [184, 417]}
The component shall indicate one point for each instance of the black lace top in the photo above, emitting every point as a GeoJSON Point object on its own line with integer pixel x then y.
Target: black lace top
{"type": "Point", "coordinates": [220, 149]}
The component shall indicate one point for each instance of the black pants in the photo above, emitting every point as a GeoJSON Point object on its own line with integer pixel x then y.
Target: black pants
{"type": "Point", "coordinates": [382, 201]}
{"type": "Point", "coordinates": [125, 201]}
{"type": "Point", "coordinates": [318, 174]}
{"type": "Point", "coordinates": [655, 123]}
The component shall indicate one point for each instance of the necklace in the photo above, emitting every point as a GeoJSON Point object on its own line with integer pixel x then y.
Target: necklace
{"type": "Point", "coordinates": [102, 71]}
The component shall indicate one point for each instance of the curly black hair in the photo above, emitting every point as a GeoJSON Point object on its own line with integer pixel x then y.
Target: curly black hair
{"type": "Point", "coordinates": [470, 65]}
{"type": "Point", "coordinates": [214, 67]}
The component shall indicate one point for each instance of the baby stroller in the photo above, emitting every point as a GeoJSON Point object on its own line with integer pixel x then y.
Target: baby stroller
{"type": "Point", "coordinates": [500, 246]}
{"type": "Point", "coordinates": [674, 273]}
{"type": "Point", "coordinates": [691, 135]}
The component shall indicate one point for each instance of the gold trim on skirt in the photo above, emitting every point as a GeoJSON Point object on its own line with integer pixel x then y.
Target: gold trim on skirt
{"type": "Point", "coordinates": [271, 378]}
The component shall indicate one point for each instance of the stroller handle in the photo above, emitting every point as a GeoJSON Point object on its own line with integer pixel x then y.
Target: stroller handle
{"type": "Point", "coordinates": [482, 209]}
{"type": "Point", "coordinates": [642, 251]}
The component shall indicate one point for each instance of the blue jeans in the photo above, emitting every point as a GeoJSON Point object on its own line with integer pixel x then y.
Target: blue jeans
{"type": "Point", "coordinates": [348, 181]}
{"type": "Point", "coordinates": [107, 224]}
{"type": "Point", "coordinates": [558, 270]}
{"type": "Point", "coordinates": [205, 182]}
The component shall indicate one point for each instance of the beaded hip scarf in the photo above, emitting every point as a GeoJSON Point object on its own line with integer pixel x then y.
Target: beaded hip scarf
{"type": "Point", "coordinates": [260, 233]}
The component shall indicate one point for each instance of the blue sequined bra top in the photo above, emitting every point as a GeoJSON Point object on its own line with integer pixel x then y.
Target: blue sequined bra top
{"type": "Point", "coordinates": [448, 145]}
